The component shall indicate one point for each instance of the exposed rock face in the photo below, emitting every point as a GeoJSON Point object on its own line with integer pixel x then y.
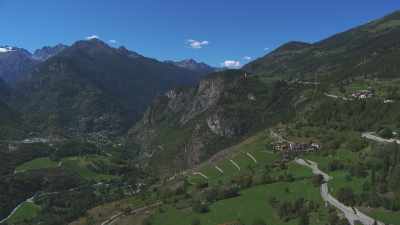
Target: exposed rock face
{"type": "Point", "coordinates": [186, 126]}
{"type": "Point", "coordinates": [220, 127]}
{"type": "Point", "coordinates": [207, 95]}
{"type": "Point", "coordinates": [47, 52]}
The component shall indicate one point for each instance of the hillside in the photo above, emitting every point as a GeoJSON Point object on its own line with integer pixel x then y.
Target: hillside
{"type": "Point", "coordinates": [9, 119]}
{"type": "Point", "coordinates": [91, 87]}
{"type": "Point", "coordinates": [15, 64]}
{"type": "Point", "coordinates": [369, 50]}
{"type": "Point", "coordinates": [186, 126]}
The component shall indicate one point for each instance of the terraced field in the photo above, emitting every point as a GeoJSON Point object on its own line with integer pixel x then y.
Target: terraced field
{"type": "Point", "coordinates": [252, 157]}
{"type": "Point", "coordinates": [242, 157]}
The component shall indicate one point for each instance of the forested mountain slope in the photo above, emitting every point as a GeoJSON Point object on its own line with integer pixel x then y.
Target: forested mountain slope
{"type": "Point", "coordinates": [91, 87]}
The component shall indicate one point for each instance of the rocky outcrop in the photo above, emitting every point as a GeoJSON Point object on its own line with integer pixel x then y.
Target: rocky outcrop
{"type": "Point", "coordinates": [186, 126]}
{"type": "Point", "coordinates": [47, 52]}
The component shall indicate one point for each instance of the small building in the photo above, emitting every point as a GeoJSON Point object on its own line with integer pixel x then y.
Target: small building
{"type": "Point", "coordinates": [296, 147]}
{"type": "Point", "coordinates": [363, 94]}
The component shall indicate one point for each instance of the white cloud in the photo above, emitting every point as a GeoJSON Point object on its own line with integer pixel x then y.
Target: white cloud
{"type": "Point", "coordinates": [233, 64]}
{"type": "Point", "coordinates": [266, 49]}
{"type": "Point", "coordinates": [92, 37]}
{"type": "Point", "coordinates": [247, 58]}
{"type": "Point", "coordinates": [196, 44]}
{"type": "Point", "coordinates": [112, 41]}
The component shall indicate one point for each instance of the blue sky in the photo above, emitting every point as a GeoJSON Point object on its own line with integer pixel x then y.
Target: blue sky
{"type": "Point", "coordinates": [212, 31]}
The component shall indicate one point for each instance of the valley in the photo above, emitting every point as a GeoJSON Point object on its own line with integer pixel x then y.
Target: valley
{"type": "Point", "coordinates": [94, 134]}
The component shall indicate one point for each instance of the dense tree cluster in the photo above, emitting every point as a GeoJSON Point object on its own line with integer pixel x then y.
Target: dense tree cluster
{"type": "Point", "coordinates": [300, 208]}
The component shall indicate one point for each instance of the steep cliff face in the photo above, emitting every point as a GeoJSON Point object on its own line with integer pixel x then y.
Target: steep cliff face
{"type": "Point", "coordinates": [186, 126]}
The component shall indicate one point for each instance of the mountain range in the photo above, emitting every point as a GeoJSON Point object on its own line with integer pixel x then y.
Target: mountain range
{"type": "Point", "coordinates": [90, 87]}
{"type": "Point", "coordinates": [87, 87]}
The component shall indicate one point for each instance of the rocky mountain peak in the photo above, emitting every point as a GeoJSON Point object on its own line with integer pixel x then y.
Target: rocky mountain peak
{"type": "Point", "coordinates": [48, 52]}
{"type": "Point", "coordinates": [123, 50]}
{"type": "Point", "coordinates": [193, 65]}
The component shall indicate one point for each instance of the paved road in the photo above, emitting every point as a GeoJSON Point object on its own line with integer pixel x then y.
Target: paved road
{"type": "Point", "coordinates": [351, 214]}
{"type": "Point", "coordinates": [373, 137]}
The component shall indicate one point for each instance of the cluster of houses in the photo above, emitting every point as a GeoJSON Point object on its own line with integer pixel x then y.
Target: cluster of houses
{"type": "Point", "coordinates": [295, 148]}
{"type": "Point", "coordinates": [363, 94]}
{"type": "Point", "coordinates": [369, 93]}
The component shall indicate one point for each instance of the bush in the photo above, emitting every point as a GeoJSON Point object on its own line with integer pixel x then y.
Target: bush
{"type": "Point", "coordinates": [146, 221]}
{"type": "Point", "coordinates": [196, 221]}
{"type": "Point", "coordinates": [346, 195]}
{"type": "Point", "coordinates": [200, 207]}
{"type": "Point", "coordinates": [317, 180]}
{"type": "Point", "coordinates": [386, 133]}
{"type": "Point", "coordinates": [259, 222]}
{"type": "Point", "coordinates": [356, 144]}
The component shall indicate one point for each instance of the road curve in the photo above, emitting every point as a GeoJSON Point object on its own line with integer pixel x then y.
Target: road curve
{"type": "Point", "coordinates": [351, 214]}
{"type": "Point", "coordinates": [373, 137]}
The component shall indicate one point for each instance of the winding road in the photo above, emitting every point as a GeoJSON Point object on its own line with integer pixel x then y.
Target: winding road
{"type": "Point", "coordinates": [373, 137]}
{"type": "Point", "coordinates": [351, 214]}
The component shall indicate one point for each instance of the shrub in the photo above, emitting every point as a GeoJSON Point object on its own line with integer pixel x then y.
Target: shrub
{"type": "Point", "coordinates": [259, 222]}
{"type": "Point", "coordinates": [196, 221]}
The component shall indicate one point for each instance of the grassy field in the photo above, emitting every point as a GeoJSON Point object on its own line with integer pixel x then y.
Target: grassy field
{"type": "Point", "coordinates": [101, 213]}
{"type": "Point", "coordinates": [385, 216]}
{"type": "Point", "coordinates": [80, 166]}
{"type": "Point", "coordinates": [342, 155]}
{"type": "Point", "coordinates": [251, 205]}
{"type": "Point", "coordinates": [76, 164]}
{"type": "Point", "coordinates": [26, 212]}
{"type": "Point", "coordinates": [39, 163]}
{"type": "Point", "coordinates": [341, 181]}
